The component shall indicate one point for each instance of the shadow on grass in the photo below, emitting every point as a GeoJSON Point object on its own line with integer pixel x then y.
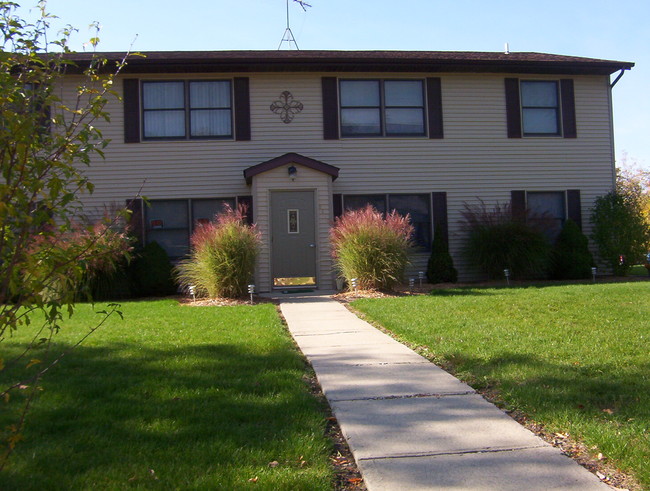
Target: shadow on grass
{"type": "Point", "coordinates": [497, 287]}
{"type": "Point", "coordinates": [196, 415]}
{"type": "Point", "coordinates": [531, 382]}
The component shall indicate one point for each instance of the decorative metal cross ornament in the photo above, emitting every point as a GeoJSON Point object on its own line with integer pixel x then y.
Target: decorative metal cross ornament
{"type": "Point", "coordinates": [286, 107]}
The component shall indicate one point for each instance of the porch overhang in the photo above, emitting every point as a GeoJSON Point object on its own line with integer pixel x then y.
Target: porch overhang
{"type": "Point", "coordinates": [288, 159]}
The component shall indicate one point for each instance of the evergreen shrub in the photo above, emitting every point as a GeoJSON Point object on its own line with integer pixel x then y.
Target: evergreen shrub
{"type": "Point", "coordinates": [572, 259]}
{"type": "Point", "coordinates": [440, 268]}
{"type": "Point", "coordinates": [151, 272]}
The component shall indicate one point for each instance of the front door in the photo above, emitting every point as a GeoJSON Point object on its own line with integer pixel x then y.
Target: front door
{"type": "Point", "coordinates": [293, 238]}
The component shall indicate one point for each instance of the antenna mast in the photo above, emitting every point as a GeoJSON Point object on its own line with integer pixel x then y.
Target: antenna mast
{"type": "Point", "coordinates": [288, 37]}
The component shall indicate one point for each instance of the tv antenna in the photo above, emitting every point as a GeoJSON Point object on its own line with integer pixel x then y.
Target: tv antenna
{"type": "Point", "coordinates": [288, 36]}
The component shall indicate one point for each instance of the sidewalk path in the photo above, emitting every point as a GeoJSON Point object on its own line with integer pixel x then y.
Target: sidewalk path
{"type": "Point", "coordinates": [411, 425]}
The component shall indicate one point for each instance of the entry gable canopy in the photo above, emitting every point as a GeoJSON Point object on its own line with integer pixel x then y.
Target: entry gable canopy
{"type": "Point", "coordinates": [288, 159]}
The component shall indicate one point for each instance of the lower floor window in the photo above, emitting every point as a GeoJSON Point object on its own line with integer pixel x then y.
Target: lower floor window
{"type": "Point", "coordinates": [549, 208]}
{"type": "Point", "coordinates": [171, 222]}
{"type": "Point", "coordinates": [417, 206]}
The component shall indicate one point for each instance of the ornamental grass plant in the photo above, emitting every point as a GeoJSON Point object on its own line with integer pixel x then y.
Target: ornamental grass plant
{"type": "Point", "coordinates": [371, 248]}
{"type": "Point", "coordinates": [222, 258]}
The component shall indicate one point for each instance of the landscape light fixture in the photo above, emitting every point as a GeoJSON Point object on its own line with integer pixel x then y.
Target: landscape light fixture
{"type": "Point", "coordinates": [506, 273]}
{"type": "Point", "coordinates": [251, 290]}
{"type": "Point", "coordinates": [293, 172]}
{"type": "Point", "coordinates": [593, 273]}
{"type": "Point", "coordinates": [411, 284]}
{"type": "Point", "coordinates": [420, 277]}
{"type": "Point", "coordinates": [353, 282]}
{"type": "Point", "coordinates": [192, 292]}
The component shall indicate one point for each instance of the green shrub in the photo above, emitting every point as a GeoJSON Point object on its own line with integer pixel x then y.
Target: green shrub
{"type": "Point", "coordinates": [440, 268]}
{"type": "Point", "coordinates": [496, 241]}
{"type": "Point", "coordinates": [620, 229]}
{"type": "Point", "coordinates": [222, 260]}
{"type": "Point", "coordinates": [151, 272]}
{"type": "Point", "coordinates": [371, 248]}
{"type": "Point", "coordinates": [571, 257]}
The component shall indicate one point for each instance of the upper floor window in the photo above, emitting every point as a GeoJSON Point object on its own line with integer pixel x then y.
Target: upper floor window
{"type": "Point", "coordinates": [186, 109]}
{"type": "Point", "coordinates": [382, 107]}
{"type": "Point", "coordinates": [540, 108]}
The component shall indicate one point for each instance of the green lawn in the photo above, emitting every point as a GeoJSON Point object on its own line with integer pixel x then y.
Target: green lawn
{"type": "Point", "coordinates": [175, 397]}
{"type": "Point", "coordinates": [575, 358]}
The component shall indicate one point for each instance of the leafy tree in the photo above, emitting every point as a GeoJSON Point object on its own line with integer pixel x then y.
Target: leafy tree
{"type": "Point", "coordinates": [620, 229]}
{"type": "Point", "coordinates": [45, 142]}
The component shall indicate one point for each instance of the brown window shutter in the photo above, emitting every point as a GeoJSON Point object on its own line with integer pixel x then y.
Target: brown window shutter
{"type": "Point", "coordinates": [247, 201]}
{"type": "Point", "coordinates": [337, 205]}
{"type": "Point", "coordinates": [330, 109]}
{"type": "Point", "coordinates": [131, 97]}
{"type": "Point", "coordinates": [136, 220]}
{"type": "Point", "coordinates": [568, 109]}
{"type": "Point", "coordinates": [434, 107]}
{"type": "Point", "coordinates": [242, 109]}
{"type": "Point", "coordinates": [513, 108]}
{"type": "Point", "coordinates": [574, 207]}
{"type": "Point", "coordinates": [518, 204]}
{"type": "Point", "coordinates": [439, 211]}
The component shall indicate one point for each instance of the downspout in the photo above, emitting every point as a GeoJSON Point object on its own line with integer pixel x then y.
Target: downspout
{"type": "Point", "coordinates": [611, 124]}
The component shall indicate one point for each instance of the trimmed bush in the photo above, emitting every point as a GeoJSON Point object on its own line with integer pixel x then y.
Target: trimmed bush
{"type": "Point", "coordinates": [497, 241]}
{"type": "Point", "coordinates": [572, 259]}
{"type": "Point", "coordinates": [371, 248]}
{"type": "Point", "coordinates": [222, 260]}
{"type": "Point", "coordinates": [152, 272]}
{"type": "Point", "coordinates": [440, 268]}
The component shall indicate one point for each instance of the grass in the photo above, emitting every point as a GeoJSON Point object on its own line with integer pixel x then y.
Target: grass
{"type": "Point", "coordinates": [174, 397]}
{"type": "Point", "coordinates": [575, 358]}
{"type": "Point", "coordinates": [638, 270]}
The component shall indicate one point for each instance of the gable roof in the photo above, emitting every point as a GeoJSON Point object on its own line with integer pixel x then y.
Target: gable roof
{"type": "Point", "coordinates": [290, 158]}
{"type": "Point", "coordinates": [359, 61]}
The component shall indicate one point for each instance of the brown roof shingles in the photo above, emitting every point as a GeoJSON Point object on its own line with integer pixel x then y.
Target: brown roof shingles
{"type": "Point", "coordinates": [357, 61]}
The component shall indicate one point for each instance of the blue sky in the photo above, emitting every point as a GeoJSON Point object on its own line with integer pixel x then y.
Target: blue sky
{"type": "Point", "coordinates": [592, 28]}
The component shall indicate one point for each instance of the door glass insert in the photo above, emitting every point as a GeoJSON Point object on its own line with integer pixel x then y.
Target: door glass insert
{"type": "Point", "coordinates": [292, 220]}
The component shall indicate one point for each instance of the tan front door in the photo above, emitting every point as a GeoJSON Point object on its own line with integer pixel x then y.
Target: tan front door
{"type": "Point", "coordinates": [293, 238]}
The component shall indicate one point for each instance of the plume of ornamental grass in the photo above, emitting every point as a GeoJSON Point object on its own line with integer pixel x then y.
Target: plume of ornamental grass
{"type": "Point", "coordinates": [371, 248]}
{"type": "Point", "coordinates": [222, 257]}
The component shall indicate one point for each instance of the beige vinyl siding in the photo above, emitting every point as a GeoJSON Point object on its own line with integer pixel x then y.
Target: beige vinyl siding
{"type": "Point", "coordinates": [475, 159]}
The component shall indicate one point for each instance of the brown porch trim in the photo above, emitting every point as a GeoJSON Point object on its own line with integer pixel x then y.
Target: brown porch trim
{"type": "Point", "coordinates": [290, 158]}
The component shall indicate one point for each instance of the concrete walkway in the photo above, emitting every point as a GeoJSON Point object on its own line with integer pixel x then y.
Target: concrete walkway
{"type": "Point", "coordinates": [411, 425]}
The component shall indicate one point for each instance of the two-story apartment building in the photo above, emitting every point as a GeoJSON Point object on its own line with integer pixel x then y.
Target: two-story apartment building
{"type": "Point", "coordinates": [300, 136]}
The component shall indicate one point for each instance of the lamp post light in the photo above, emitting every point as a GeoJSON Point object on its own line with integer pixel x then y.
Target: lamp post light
{"type": "Point", "coordinates": [593, 273]}
{"type": "Point", "coordinates": [506, 273]}
{"type": "Point", "coordinates": [192, 292]}
{"type": "Point", "coordinates": [420, 277]}
{"type": "Point", "coordinates": [353, 282]}
{"type": "Point", "coordinates": [251, 290]}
